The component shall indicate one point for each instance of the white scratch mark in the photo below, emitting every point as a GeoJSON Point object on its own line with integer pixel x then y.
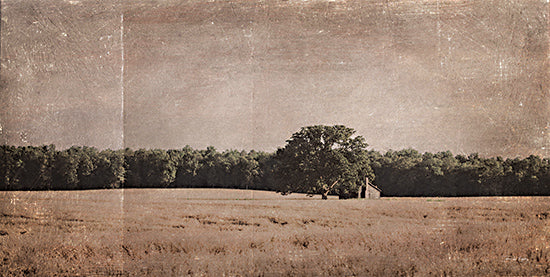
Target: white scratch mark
{"type": "Point", "coordinates": [122, 78]}
{"type": "Point", "coordinates": [23, 137]}
{"type": "Point", "coordinates": [439, 34]}
{"type": "Point", "coordinates": [121, 212]}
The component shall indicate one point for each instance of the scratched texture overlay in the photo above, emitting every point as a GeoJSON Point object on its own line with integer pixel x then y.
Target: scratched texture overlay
{"type": "Point", "coordinates": [465, 76]}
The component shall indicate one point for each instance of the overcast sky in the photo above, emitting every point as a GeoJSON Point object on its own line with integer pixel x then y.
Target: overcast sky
{"type": "Point", "coordinates": [465, 76]}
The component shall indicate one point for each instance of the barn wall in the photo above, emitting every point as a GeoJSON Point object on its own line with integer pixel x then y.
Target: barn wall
{"type": "Point", "coordinates": [372, 193]}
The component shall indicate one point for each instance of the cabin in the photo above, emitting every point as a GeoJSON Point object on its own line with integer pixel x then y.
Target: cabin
{"type": "Point", "coordinates": [369, 191]}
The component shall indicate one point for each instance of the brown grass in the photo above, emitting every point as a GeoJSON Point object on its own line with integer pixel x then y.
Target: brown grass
{"type": "Point", "coordinates": [254, 233]}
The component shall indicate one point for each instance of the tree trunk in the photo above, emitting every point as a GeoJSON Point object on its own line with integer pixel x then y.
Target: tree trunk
{"type": "Point", "coordinates": [324, 195]}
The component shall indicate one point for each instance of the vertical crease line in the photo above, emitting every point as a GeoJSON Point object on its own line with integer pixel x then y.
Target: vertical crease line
{"type": "Point", "coordinates": [122, 78]}
{"type": "Point", "coordinates": [122, 142]}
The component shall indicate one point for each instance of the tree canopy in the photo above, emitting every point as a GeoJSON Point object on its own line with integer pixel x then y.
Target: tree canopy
{"type": "Point", "coordinates": [313, 160]}
{"type": "Point", "coordinates": [322, 159]}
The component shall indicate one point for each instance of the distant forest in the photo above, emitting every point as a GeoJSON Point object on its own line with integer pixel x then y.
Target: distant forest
{"type": "Point", "coordinates": [397, 173]}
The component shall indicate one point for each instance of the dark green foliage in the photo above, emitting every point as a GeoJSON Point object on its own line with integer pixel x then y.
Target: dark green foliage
{"type": "Point", "coordinates": [320, 159]}
{"type": "Point", "coordinates": [407, 173]}
{"type": "Point", "coordinates": [150, 169]}
{"type": "Point", "coordinates": [188, 164]}
{"type": "Point", "coordinates": [314, 158]}
{"type": "Point", "coordinates": [188, 168]}
{"type": "Point", "coordinates": [109, 169]}
{"type": "Point", "coordinates": [26, 167]}
{"type": "Point", "coordinates": [64, 170]}
{"type": "Point", "coordinates": [44, 168]}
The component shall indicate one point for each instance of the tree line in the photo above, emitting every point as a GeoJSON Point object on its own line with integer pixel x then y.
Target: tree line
{"type": "Point", "coordinates": [316, 160]}
{"type": "Point", "coordinates": [410, 173]}
{"type": "Point", "coordinates": [45, 168]}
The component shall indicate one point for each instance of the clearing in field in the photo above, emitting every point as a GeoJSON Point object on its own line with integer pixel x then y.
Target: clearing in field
{"type": "Point", "coordinates": [256, 233]}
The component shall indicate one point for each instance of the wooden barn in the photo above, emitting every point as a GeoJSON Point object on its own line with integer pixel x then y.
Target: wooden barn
{"type": "Point", "coordinates": [369, 191]}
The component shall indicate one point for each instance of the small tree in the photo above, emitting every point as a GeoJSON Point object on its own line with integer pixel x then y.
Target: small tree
{"type": "Point", "coordinates": [322, 159]}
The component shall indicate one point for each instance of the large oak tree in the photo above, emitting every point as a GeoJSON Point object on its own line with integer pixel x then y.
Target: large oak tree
{"type": "Point", "coordinates": [321, 160]}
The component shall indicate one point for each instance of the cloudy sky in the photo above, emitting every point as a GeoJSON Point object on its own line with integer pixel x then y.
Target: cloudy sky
{"type": "Point", "coordinates": [465, 76]}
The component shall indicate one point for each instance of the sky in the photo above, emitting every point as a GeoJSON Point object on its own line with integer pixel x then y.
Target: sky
{"type": "Point", "coordinates": [465, 76]}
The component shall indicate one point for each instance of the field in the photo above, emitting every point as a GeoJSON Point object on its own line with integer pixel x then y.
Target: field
{"type": "Point", "coordinates": [254, 233]}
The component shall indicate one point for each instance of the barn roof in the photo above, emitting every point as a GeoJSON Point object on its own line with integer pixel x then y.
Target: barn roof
{"type": "Point", "coordinates": [374, 187]}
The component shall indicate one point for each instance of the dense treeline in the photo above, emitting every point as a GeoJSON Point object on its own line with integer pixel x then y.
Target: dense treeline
{"type": "Point", "coordinates": [397, 173]}
{"type": "Point", "coordinates": [189, 168]}
{"type": "Point", "coordinates": [44, 168]}
{"type": "Point", "coordinates": [409, 173]}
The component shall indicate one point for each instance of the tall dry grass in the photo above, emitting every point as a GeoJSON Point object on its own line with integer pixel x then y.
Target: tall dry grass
{"type": "Point", "coordinates": [254, 233]}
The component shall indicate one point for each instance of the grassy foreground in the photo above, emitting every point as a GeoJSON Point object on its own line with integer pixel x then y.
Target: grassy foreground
{"type": "Point", "coordinates": [255, 233]}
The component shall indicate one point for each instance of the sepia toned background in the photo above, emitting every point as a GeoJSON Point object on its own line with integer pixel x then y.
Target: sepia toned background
{"type": "Point", "coordinates": [465, 76]}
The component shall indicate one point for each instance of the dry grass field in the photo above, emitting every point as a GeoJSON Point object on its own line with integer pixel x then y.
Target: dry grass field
{"type": "Point", "coordinates": [204, 232]}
